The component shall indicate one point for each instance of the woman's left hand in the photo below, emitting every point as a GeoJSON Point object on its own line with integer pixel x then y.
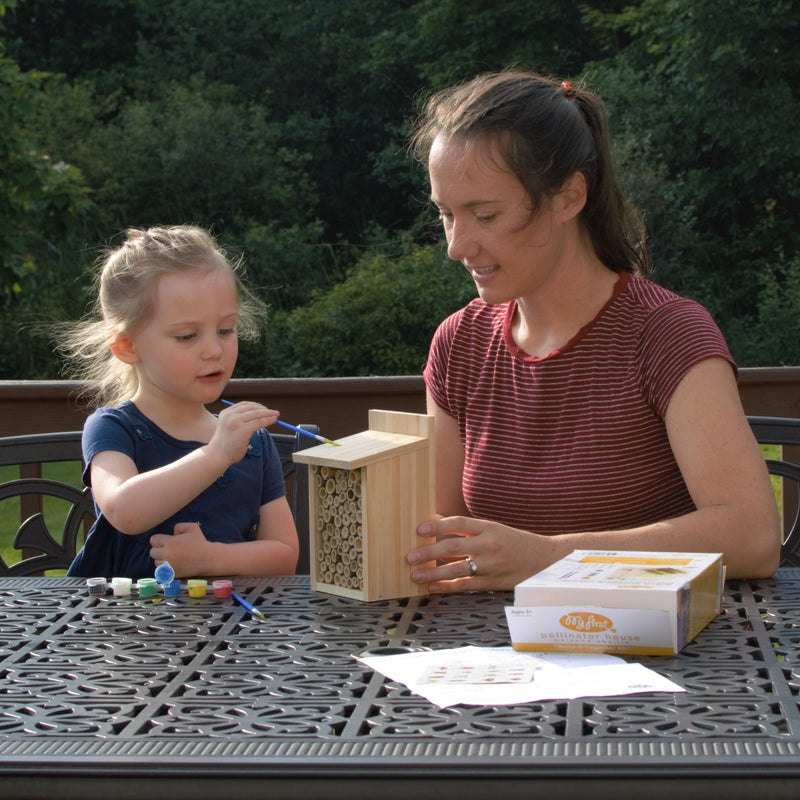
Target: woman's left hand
{"type": "Point", "coordinates": [502, 556]}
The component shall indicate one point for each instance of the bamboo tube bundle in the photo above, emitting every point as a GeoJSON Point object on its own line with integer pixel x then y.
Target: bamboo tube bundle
{"type": "Point", "coordinates": [339, 524]}
{"type": "Point", "coordinates": [367, 498]}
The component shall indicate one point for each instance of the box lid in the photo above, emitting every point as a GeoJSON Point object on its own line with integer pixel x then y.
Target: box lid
{"type": "Point", "coordinates": [606, 570]}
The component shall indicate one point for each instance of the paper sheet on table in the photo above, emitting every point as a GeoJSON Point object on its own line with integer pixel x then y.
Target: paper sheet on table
{"type": "Point", "coordinates": [556, 676]}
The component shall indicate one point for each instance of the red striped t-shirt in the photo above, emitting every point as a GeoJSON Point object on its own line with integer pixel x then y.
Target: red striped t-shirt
{"type": "Point", "coordinates": [574, 441]}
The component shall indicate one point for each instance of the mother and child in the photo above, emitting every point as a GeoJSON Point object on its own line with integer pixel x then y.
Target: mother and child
{"type": "Point", "coordinates": [577, 404]}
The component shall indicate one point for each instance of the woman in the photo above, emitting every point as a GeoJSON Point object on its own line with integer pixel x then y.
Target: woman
{"type": "Point", "coordinates": [577, 405]}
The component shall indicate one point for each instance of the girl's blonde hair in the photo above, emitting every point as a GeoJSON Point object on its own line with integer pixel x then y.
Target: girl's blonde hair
{"type": "Point", "coordinates": [125, 290]}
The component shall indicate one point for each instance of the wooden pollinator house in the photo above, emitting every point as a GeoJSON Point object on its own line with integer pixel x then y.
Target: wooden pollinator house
{"type": "Point", "coordinates": [366, 498]}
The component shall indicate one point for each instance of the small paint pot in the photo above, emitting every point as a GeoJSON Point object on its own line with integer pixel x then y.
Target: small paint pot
{"type": "Point", "coordinates": [223, 588]}
{"type": "Point", "coordinates": [164, 573]}
{"type": "Point", "coordinates": [197, 587]}
{"type": "Point", "coordinates": [147, 587]}
{"type": "Point", "coordinates": [121, 586]}
{"type": "Point", "coordinates": [172, 589]}
{"type": "Point", "coordinates": [97, 585]}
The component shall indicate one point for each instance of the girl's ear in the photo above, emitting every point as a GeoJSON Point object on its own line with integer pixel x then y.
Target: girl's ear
{"type": "Point", "coordinates": [123, 348]}
{"type": "Point", "coordinates": [572, 197]}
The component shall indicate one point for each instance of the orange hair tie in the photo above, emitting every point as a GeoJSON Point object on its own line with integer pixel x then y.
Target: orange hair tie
{"type": "Point", "coordinates": [569, 92]}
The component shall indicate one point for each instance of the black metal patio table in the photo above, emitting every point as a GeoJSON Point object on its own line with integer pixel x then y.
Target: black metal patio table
{"type": "Point", "coordinates": [123, 697]}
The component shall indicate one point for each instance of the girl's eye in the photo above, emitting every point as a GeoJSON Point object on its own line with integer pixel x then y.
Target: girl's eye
{"type": "Point", "coordinates": [186, 337]}
{"type": "Point", "coordinates": [226, 331]}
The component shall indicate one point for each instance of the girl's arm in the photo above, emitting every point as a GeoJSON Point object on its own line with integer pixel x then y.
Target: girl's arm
{"type": "Point", "coordinates": [736, 512]}
{"type": "Point", "coordinates": [273, 552]}
{"type": "Point", "coordinates": [135, 502]}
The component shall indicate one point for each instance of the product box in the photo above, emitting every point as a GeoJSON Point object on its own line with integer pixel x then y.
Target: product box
{"type": "Point", "coordinates": [617, 602]}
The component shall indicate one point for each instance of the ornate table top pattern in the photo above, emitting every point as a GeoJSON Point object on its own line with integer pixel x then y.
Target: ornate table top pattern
{"type": "Point", "coordinates": [201, 686]}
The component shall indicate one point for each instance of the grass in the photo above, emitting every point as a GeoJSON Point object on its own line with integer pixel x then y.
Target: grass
{"type": "Point", "coordinates": [773, 451]}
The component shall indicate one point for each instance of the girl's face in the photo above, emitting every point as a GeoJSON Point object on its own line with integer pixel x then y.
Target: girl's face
{"type": "Point", "coordinates": [487, 220]}
{"type": "Point", "coordinates": [187, 349]}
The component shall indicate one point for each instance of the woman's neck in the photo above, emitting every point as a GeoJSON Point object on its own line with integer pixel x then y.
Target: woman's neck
{"type": "Point", "coordinates": [547, 320]}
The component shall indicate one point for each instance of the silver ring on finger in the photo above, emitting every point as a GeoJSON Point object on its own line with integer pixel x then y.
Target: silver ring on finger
{"type": "Point", "coordinates": [473, 567]}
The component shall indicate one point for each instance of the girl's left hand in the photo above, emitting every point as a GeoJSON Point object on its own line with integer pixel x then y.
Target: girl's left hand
{"type": "Point", "coordinates": [184, 549]}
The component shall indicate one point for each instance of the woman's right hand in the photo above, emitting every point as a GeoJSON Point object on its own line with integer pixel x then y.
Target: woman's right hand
{"type": "Point", "coordinates": [503, 556]}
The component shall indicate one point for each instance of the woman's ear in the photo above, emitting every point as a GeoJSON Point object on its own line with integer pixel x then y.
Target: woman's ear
{"type": "Point", "coordinates": [123, 348]}
{"type": "Point", "coordinates": [572, 197]}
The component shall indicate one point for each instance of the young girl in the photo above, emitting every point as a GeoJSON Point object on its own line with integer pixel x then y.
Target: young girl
{"type": "Point", "coordinates": [171, 481]}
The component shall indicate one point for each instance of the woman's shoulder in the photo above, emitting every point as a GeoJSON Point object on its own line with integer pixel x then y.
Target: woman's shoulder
{"type": "Point", "coordinates": [660, 310]}
{"type": "Point", "coordinates": [477, 314]}
{"type": "Point", "coordinates": [651, 296]}
{"type": "Point", "coordinates": [473, 325]}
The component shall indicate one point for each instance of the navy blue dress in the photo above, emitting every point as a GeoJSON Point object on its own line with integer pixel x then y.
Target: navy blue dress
{"type": "Point", "coordinates": [227, 511]}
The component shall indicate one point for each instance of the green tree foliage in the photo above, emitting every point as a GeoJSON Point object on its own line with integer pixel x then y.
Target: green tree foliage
{"type": "Point", "coordinates": [380, 318]}
{"type": "Point", "coordinates": [706, 110]}
{"type": "Point", "coordinates": [39, 199]}
{"type": "Point", "coordinates": [282, 127]}
{"type": "Point", "coordinates": [41, 204]}
{"type": "Point", "coordinates": [551, 36]}
{"type": "Point", "coordinates": [775, 329]}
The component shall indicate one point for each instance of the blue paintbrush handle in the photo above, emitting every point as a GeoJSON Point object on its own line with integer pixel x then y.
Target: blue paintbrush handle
{"type": "Point", "coordinates": [251, 608]}
{"type": "Point", "coordinates": [291, 427]}
{"type": "Point", "coordinates": [298, 430]}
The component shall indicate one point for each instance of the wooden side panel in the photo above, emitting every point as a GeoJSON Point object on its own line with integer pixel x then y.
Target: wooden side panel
{"type": "Point", "coordinates": [399, 495]}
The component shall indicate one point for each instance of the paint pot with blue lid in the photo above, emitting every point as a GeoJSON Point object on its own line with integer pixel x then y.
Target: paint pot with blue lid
{"type": "Point", "coordinates": [164, 573]}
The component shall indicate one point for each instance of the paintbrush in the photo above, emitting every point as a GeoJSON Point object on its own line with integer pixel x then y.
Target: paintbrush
{"type": "Point", "coordinates": [251, 608]}
{"type": "Point", "coordinates": [295, 429]}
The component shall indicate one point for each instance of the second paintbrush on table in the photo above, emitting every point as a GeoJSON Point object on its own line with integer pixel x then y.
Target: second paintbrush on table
{"type": "Point", "coordinates": [249, 606]}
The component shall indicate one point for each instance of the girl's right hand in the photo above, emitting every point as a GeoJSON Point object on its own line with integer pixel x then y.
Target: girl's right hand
{"type": "Point", "coordinates": [235, 425]}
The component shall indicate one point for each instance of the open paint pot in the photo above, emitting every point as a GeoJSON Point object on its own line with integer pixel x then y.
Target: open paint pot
{"type": "Point", "coordinates": [96, 585]}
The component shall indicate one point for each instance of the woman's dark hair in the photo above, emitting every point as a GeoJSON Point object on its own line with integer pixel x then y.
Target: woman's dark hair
{"type": "Point", "coordinates": [545, 131]}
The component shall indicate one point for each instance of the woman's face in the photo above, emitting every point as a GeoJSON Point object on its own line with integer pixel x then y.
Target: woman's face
{"type": "Point", "coordinates": [488, 222]}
